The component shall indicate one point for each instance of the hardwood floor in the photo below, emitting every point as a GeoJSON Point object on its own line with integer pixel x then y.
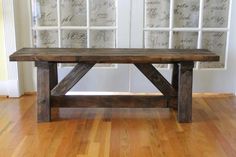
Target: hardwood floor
{"type": "Point", "coordinates": [119, 132]}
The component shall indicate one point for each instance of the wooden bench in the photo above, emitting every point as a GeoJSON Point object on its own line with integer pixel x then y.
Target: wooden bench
{"type": "Point", "coordinates": [177, 94]}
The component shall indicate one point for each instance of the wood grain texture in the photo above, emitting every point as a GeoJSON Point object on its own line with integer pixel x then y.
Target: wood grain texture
{"type": "Point", "coordinates": [119, 132]}
{"type": "Point", "coordinates": [71, 79]}
{"type": "Point", "coordinates": [44, 84]}
{"type": "Point", "coordinates": [116, 55]}
{"type": "Point", "coordinates": [175, 82]}
{"type": "Point", "coordinates": [175, 76]}
{"type": "Point", "coordinates": [86, 58]}
{"type": "Point", "coordinates": [114, 101]}
{"type": "Point", "coordinates": [157, 79]}
{"type": "Point", "coordinates": [185, 92]}
{"type": "Point", "coordinates": [53, 76]}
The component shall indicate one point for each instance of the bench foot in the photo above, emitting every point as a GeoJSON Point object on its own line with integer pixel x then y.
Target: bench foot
{"type": "Point", "coordinates": [46, 80]}
{"type": "Point", "coordinates": [185, 92]}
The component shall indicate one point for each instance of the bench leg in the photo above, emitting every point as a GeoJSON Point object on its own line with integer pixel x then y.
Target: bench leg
{"type": "Point", "coordinates": [175, 83]}
{"type": "Point", "coordinates": [46, 80]}
{"type": "Point", "coordinates": [185, 92]}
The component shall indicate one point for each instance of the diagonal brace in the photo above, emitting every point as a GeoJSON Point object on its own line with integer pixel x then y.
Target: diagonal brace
{"type": "Point", "coordinates": [157, 79]}
{"type": "Point", "coordinates": [71, 79]}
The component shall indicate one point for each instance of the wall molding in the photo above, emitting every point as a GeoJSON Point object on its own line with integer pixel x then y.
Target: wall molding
{"type": "Point", "coordinates": [14, 88]}
{"type": "Point", "coordinates": [10, 88]}
{"type": "Point", "coordinates": [4, 88]}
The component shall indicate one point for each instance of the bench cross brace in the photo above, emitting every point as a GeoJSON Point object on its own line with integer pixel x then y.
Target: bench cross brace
{"type": "Point", "coordinates": [157, 79]}
{"type": "Point", "coordinates": [71, 79]}
{"type": "Point", "coordinates": [177, 95]}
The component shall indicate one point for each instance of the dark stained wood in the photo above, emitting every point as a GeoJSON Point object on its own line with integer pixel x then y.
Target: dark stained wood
{"type": "Point", "coordinates": [175, 76]}
{"type": "Point", "coordinates": [107, 101]}
{"type": "Point", "coordinates": [99, 55]}
{"type": "Point", "coordinates": [157, 79]}
{"type": "Point", "coordinates": [178, 92]}
{"type": "Point", "coordinates": [54, 82]}
{"type": "Point", "coordinates": [71, 79]}
{"type": "Point", "coordinates": [185, 92]}
{"type": "Point", "coordinates": [175, 82]}
{"type": "Point", "coordinates": [53, 75]}
{"type": "Point", "coordinates": [47, 79]}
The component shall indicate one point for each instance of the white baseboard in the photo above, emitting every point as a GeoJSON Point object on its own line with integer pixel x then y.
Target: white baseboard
{"type": "Point", "coordinates": [3, 88]}
{"type": "Point", "coordinates": [10, 88]}
{"type": "Point", "coordinates": [14, 88]}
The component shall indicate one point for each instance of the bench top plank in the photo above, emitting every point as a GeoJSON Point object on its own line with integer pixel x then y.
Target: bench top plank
{"type": "Point", "coordinates": [113, 55]}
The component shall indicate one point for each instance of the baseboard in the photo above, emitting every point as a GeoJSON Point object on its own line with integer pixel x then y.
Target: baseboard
{"type": "Point", "coordinates": [10, 88]}
{"type": "Point", "coordinates": [30, 93]}
{"type": "Point", "coordinates": [213, 94]}
{"type": "Point", "coordinates": [3, 88]}
{"type": "Point", "coordinates": [132, 93]}
{"type": "Point", "coordinates": [3, 96]}
{"type": "Point", "coordinates": [127, 93]}
{"type": "Point", "coordinates": [14, 88]}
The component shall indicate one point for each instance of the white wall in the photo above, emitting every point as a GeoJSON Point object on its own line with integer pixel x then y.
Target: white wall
{"type": "Point", "coordinates": [23, 38]}
{"type": "Point", "coordinates": [13, 69]}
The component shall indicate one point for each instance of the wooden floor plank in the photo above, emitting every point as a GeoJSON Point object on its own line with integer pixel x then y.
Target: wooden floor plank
{"type": "Point", "coordinates": [119, 132]}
